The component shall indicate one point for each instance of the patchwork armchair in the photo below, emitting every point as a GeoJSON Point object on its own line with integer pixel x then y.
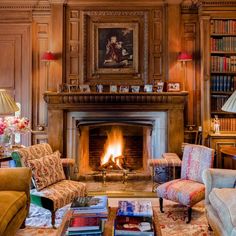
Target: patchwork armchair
{"type": "Point", "coordinates": [220, 201]}
{"type": "Point", "coordinates": [52, 190]}
{"type": "Point", "coordinates": [189, 189]}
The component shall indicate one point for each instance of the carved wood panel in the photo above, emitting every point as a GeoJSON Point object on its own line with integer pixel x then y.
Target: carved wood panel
{"type": "Point", "coordinates": [15, 66]}
{"type": "Point", "coordinates": [156, 46]}
{"type": "Point", "coordinates": [41, 33]}
{"type": "Point", "coordinates": [79, 44]}
{"type": "Point", "coordinates": [190, 44]}
{"type": "Point", "coordinates": [40, 45]}
{"type": "Point", "coordinates": [73, 45]}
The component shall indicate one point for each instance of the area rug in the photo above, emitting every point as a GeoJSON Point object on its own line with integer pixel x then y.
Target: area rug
{"type": "Point", "coordinates": [171, 222]}
{"type": "Point", "coordinates": [39, 222]}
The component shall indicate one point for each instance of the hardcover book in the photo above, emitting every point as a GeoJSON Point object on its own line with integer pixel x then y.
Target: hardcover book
{"type": "Point", "coordinates": [130, 225]}
{"type": "Point", "coordinates": [135, 208]}
{"type": "Point", "coordinates": [84, 223]}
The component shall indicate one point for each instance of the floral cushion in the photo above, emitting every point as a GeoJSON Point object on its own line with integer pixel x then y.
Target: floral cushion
{"type": "Point", "coordinates": [186, 192]}
{"type": "Point", "coordinates": [196, 158]}
{"type": "Point", "coordinates": [46, 170]}
{"type": "Point", "coordinates": [62, 193]}
{"type": "Point", "coordinates": [34, 152]}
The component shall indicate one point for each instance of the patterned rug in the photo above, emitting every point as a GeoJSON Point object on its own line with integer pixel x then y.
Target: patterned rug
{"type": "Point", "coordinates": [172, 222]}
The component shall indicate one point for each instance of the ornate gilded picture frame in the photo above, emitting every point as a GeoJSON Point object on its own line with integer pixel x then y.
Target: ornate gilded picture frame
{"type": "Point", "coordinates": [115, 48]}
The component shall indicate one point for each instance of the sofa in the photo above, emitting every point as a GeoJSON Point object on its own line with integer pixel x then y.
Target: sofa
{"type": "Point", "coordinates": [220, 200]}
{"type": "Point", "coordinates": [14, 199]}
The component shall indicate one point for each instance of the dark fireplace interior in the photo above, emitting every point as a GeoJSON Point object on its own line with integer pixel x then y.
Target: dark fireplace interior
{"type": "Point", "coordinates": [133, 145]}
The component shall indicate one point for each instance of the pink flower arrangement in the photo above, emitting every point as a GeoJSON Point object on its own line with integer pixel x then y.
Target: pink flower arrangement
{"type": "Point", "coordinates": [12, 125]}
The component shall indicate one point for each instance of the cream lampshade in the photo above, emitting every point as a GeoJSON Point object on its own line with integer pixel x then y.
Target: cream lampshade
{"type": "Point", "coordinates": [7, 103]}
{"type": "Point", "coordinates": [230, 104]}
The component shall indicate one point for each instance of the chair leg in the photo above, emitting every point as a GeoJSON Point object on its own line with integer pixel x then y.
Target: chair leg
{"type": "Point", "coordinates": [22, 225]}
{"type": "Point", "coordinates": [161, 204]}
{"type": "Point", "coordinates": [53, 219]}
{"type": "Point", "coordinates": [209, 228]}
{"type": "Point", "coordinates": [189, 214]}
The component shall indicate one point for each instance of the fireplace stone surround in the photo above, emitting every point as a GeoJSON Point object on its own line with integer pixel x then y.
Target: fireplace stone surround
{"type": "Point", "coordinates": [154, 134]}
{"type": "Point", "coordinates": [66, 108]}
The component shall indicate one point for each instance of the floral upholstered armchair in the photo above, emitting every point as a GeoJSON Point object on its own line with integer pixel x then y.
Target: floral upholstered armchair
{"type": "Point", "coordinates": [189, 189]}
{"type": "Point", "coordinates": [52, 190]}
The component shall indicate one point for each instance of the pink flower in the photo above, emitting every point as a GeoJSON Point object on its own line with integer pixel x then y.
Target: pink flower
{"type": "Point", "coordinates": [10, 125]}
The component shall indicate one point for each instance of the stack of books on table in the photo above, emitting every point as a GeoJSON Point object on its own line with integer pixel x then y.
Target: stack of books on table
{"type": "Point", "coordinates": [134, 218]}
{"type": "Point", "coordinates": [88, 216]}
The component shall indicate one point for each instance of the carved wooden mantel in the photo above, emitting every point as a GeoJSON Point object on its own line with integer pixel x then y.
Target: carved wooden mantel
{"type": "Point", "coordinates": [60, 103]}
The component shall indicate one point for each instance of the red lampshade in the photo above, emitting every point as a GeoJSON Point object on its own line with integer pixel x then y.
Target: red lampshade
{"type": "Point", "coordinates": [48, 56]}
{"type": "Point", "coordinates": [184, 56]}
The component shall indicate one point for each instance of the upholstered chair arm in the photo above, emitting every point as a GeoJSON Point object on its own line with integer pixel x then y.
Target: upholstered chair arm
{"type": "Point", "coordinates": [67, 162]}
{"type": "Point", "coordinates": [218, 178]}
{"type": "Point", "coordinates": [16, 179]}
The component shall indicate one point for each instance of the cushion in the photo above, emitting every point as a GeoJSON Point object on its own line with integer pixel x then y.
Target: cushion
{"type": "Point", "coordinates": [34, 152]}
{"type": "Point", "coordinates": [186, 192]}
{"type": "Point", "coordinates": [224, 203]}
{"type": "Point", "coordinates": [47, 170]}
{"type": "Point", "coordinates": [196, 158]}
{"type": "Point", "coordinates": [10, 204]}
{"type": "Point", "coordinates": [61, 193]}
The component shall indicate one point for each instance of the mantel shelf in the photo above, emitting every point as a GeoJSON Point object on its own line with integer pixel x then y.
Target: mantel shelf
{"type": "Point", "coordinates": [165, 100]}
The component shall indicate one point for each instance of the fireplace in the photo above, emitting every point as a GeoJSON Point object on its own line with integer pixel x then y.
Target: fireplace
{"type": "Point", "coordinates": [144, 134]}
{"type": "Point", "coordinates": [164, 111]}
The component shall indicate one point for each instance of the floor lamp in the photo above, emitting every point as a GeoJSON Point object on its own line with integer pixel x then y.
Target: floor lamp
{"type": "Point", "coordinates": [183, 58]}
{"type": "Point", "coordinates": [48, 57]}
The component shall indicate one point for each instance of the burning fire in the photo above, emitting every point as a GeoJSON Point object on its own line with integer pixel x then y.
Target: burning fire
{"type": "Point", "coordinates": [113, 147]}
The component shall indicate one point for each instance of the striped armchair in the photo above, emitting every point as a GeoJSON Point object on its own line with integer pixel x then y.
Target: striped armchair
{"type": "Point", "coordinates": [189, 189]}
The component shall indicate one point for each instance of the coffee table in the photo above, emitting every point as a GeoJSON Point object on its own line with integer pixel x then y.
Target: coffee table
{"type": "Point", "coordinates": [109, 226]}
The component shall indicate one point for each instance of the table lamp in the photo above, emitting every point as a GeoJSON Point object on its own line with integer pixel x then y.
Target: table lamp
{"type": "Point", "coordinates": [183, 58]}
{"type": "Point", "coordinates": [48, 57]}
{"type": "Point", "coordinates": [230, 104]}
{"type": "Point", "coordinates": [7, 103]}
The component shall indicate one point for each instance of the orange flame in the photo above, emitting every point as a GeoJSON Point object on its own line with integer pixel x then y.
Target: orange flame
{"type": "Point", "coordinates": [113, 146]}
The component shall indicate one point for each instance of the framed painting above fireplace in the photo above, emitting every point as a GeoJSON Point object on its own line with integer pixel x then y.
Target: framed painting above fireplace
{"type": "Point", "coordinates": [115, 48]}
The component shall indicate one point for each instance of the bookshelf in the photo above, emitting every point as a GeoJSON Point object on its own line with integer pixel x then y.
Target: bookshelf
{"type": "Point", "coordinates": [222, 69]}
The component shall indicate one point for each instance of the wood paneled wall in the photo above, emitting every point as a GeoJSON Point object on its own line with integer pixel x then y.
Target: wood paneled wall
{"type": "Point", "coordinates": [29, 28]}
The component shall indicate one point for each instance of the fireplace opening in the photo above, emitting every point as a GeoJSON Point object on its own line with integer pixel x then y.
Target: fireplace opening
{"type": "Point", "coordinates": [116, 147]}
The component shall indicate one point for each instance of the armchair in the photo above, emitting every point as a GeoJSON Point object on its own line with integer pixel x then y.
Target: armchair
{"type": "Point", "coordinates": [14, 199]}
{"type": "Point", "coordinates": [220, 200]}
{"type": "Point", "coordinates": [52, 191]}
{"type": "Point", "coordinates": [189, 189]}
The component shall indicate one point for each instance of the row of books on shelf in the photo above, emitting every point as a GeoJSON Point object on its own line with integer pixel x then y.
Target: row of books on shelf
{"type": "Point", "coordinates": [226, 44]}
{"type": "Point", "coordinates": [223, 83]}
{"type": "Point", "coordinates": [134, 218]}
{"type": "Point", "coordinates": [88, 216]}
{"type": "Point", "coordinates": [217, 101]}
{"type": "Point", "coordinates": [227, 124]}
{"type": "Point", "coordinates": [223, 63]}
{"type": "Point", "coordinates": [223, 26]}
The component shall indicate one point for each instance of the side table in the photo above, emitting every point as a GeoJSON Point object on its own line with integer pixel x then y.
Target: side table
{"type": "Point", "coordinates": [4, 159]}
{"type": "Point", "coordinates": [228, 157]}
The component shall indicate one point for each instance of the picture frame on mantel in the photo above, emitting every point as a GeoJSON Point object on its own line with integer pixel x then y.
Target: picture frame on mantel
{"type": "Point", "coordinates": [115, 48]}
